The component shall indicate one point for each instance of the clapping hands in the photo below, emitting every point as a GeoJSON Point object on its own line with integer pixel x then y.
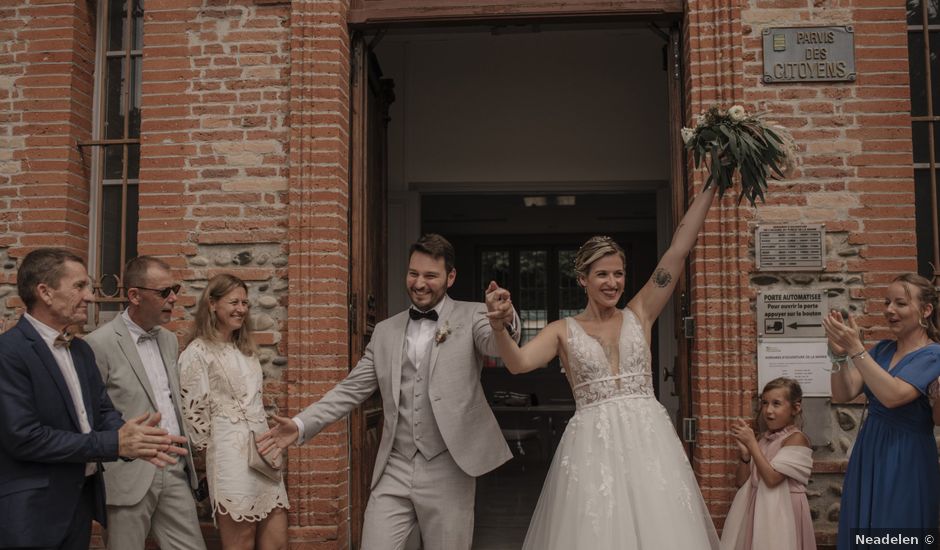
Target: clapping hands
{"type": "Point", "coordinates": [843, 333]}
{"type": "Point", "coordinates": [498, 306]}
{"type": "Point", "coordinates": [744, 435]}
{"type": "Point", "coordinates": [142, 437]}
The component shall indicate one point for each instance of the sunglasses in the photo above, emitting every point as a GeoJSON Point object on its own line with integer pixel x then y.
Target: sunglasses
{"type": "Point", "coordinates": [163, 292]}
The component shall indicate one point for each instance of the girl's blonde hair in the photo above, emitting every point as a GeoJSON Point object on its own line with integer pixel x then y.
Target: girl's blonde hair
{"type": "Point", "coordinates": [794, 396]}
{"type": "Point", "coordinates": [206, 322]}
{"type": "Point", "coordinates": [594, 249]}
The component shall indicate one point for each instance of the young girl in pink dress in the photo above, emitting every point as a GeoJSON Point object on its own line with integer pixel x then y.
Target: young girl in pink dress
{"type": "Point", "coordinates": [770, 510]}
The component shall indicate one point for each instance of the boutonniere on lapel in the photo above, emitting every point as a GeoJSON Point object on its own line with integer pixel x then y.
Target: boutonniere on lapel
{"type": "Point", "coordinates": [442, 333]}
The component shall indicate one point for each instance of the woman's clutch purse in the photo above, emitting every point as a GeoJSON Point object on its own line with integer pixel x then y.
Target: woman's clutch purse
{"type": "Point", "coordinates": [260, 463]}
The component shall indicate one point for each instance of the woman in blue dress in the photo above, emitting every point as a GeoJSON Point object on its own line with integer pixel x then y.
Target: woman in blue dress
{"type": "Point", "coordinates": [893, 480]}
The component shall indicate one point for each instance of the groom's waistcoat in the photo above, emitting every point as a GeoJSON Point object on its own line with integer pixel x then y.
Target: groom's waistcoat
{"type": "Point", "coordinates": [416, 429]}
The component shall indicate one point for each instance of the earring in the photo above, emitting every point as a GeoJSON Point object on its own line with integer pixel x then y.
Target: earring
{"type": "Point", "coordinates": [923, 323]}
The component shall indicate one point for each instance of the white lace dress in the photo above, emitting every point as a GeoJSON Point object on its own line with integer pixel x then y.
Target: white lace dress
{"type": "Point", "coordinates": [217, 426]}
{"type": "Point", "coordinates": [620, 478]}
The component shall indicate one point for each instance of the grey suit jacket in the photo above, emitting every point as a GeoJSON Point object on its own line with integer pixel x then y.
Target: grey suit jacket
{"type": "Point", "coordinates": [463, 415]}
{"type": "Point", "coordinates": [129, 388]}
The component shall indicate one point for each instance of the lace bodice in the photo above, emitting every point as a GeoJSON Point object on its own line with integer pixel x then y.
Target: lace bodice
{"type": "Point", "coordinates": [593, 379]}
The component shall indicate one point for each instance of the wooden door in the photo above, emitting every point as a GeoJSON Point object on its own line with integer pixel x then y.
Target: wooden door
{"type": "Point", "coordinates": [371, 96]}
{"type": "Point", "coordinates": [683, 335]}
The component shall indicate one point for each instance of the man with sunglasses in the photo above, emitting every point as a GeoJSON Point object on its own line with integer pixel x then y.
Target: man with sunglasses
{"type": "Point", "coordinates": [137, 360]}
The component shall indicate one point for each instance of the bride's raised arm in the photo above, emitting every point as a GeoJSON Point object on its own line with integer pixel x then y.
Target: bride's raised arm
{"type": "Point", "coordinates": [652, 298]}
{"type": "Point", "coordinates": [536, 353]}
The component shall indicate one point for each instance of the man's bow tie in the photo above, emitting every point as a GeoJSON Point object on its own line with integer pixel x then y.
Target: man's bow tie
{"type": "Point", "coordinates": [149, 335]}
{"type": "Point", "coordinates": [63, 339]}
{"type": "Point", "coordinates": [417, 315]}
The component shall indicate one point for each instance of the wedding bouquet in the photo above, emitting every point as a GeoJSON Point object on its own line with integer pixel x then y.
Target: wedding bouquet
{"type": "Point", "coordinates": [733, 142]}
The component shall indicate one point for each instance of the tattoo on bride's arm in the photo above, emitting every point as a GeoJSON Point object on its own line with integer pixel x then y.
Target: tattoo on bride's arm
{"type": "Point", "coordinates": [661, 278]}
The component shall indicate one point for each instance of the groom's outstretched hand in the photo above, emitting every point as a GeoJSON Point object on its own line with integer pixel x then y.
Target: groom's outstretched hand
{"type": "Point", "coordinates": [498, 306]}
{"type": "Point", "coordinates": [282, 435]}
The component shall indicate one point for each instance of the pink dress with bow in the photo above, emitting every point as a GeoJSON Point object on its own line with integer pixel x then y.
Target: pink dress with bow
{"type": "Point", "coordinates": [773, 518]}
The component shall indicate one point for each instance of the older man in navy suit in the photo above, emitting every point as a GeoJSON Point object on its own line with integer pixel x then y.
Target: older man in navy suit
{"type": "Point", "coordinates": [57, 424]}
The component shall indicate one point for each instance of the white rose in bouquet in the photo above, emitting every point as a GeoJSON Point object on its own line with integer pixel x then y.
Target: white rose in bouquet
{"type": "Point", "coordinates": [687, 134]}
{"type": "Point", "coordinates": [737, 113]}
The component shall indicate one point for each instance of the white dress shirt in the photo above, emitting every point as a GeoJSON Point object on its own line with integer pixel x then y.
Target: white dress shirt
{"type": "Point", "coordinates": [64, 360]}
{"type": "Point", "coordinates": [418, 337]}
{"type": "Point", "coordinates": [149, 352]}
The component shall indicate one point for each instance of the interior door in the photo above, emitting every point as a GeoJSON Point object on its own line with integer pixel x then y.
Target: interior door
{"type": "Point", "coordinates": [371, 96]}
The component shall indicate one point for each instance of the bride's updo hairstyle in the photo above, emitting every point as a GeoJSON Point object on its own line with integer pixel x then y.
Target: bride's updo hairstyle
{"type": "Point", "coordinates": [594, 249]}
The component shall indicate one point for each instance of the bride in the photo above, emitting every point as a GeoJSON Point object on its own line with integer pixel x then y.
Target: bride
{"type": "Point", "coordinates": [620, 478]}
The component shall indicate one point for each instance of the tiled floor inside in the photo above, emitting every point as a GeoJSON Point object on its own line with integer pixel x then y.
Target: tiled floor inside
{"type": "Point", "coordinates": [505, 500]}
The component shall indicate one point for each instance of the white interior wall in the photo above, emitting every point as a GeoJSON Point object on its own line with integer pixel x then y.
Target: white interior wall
{"type": "Point", "coordinates": [565, 106]}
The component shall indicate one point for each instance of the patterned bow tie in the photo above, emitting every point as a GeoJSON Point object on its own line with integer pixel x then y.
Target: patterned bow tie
{"type": "Point", "coordinates": [149, 335]}
{"type": "Point", "coordinates": [63, 339]}
{"type": "Point", "coordinates": [416, 315]}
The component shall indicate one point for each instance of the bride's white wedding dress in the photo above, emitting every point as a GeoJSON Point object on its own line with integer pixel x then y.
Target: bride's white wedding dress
{"type": "Point", "coordinates": [620, 478]}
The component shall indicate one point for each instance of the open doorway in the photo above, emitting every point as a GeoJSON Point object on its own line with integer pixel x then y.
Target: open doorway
{"type": "Point", "coordinates": [517, 143]}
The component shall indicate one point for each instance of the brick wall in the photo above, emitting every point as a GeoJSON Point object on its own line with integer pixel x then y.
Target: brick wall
{"type": "Point", "coordinates": [46, 79]}
{"type": "Point", "coordinates": [854, 175]}
{"type": "Point", "coordinates": [214, 145]}
{"type": "Point", "coordinates": [318, 268]}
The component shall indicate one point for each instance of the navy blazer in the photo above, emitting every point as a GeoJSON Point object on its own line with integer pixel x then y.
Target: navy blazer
{"type": "Point", "coordinates": [42, 450]}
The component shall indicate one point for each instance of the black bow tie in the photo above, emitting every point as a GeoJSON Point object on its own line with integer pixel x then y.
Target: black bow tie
{"type": "Point", "coordinates": [418, 315]}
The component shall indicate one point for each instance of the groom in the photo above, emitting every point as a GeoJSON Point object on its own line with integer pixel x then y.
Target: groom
{"type": "Point", "coordinates": [439, 432]}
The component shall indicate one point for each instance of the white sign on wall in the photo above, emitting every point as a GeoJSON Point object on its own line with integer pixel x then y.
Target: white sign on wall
{"type": "Point", "coordinates": [805, 360]}
{"type": "Point", "coordinates": [791, 314]}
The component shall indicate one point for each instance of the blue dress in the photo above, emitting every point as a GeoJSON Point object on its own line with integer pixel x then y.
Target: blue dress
{"type": "Point", "coordinates": [893, 480]}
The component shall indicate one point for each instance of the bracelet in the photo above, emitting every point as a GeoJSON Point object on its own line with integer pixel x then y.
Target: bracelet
{"type": "Point", "coordinates": [837, 360]}
{"type": "Point", "coordinates": [858, 355]}
{"type": "Point", "coordinates": [748, 461]}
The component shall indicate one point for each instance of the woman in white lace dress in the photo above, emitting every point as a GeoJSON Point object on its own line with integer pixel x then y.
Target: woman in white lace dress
{"type": "Point", "coordinates": [620, 478]}
{"type": "Point", "coordinates": [221, 385]}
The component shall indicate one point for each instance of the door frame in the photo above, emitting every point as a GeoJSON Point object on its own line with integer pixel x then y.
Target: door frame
{"type": "Point", "coordinates": [376, 14]}
{"type": "Point", "coordinates": [435, 12]}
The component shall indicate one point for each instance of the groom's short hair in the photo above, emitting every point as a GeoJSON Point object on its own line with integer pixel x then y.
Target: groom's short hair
{"type": "Point", "coordinates": [437, 247]}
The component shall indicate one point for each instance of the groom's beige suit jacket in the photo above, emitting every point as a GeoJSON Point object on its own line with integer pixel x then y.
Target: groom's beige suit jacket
{"type": "Point", "coordinates": [463, 416]}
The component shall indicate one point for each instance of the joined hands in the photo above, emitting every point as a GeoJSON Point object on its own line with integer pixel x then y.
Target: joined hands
{"type": "Point", "coordinates": [499, 307]}
{"type": "Point", "coordinates": [281, 436]}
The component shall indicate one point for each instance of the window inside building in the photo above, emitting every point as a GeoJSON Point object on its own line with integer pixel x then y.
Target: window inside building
{"type": "Point", "coordinates": [923, 39]}
{"type": "Point", "coordinates": [116, 146]}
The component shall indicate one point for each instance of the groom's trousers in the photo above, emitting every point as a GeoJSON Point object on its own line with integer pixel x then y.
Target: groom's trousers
{"type": "Point", "coordinates": [436, 494]}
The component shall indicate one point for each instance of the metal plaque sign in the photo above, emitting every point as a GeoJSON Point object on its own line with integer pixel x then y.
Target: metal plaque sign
{"type": "Point", "coordinates": [790, 247]}
{"type": "Point", "coordinates": [809, 54]}
{"type": "Point", "coordinates": [791, 314]}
